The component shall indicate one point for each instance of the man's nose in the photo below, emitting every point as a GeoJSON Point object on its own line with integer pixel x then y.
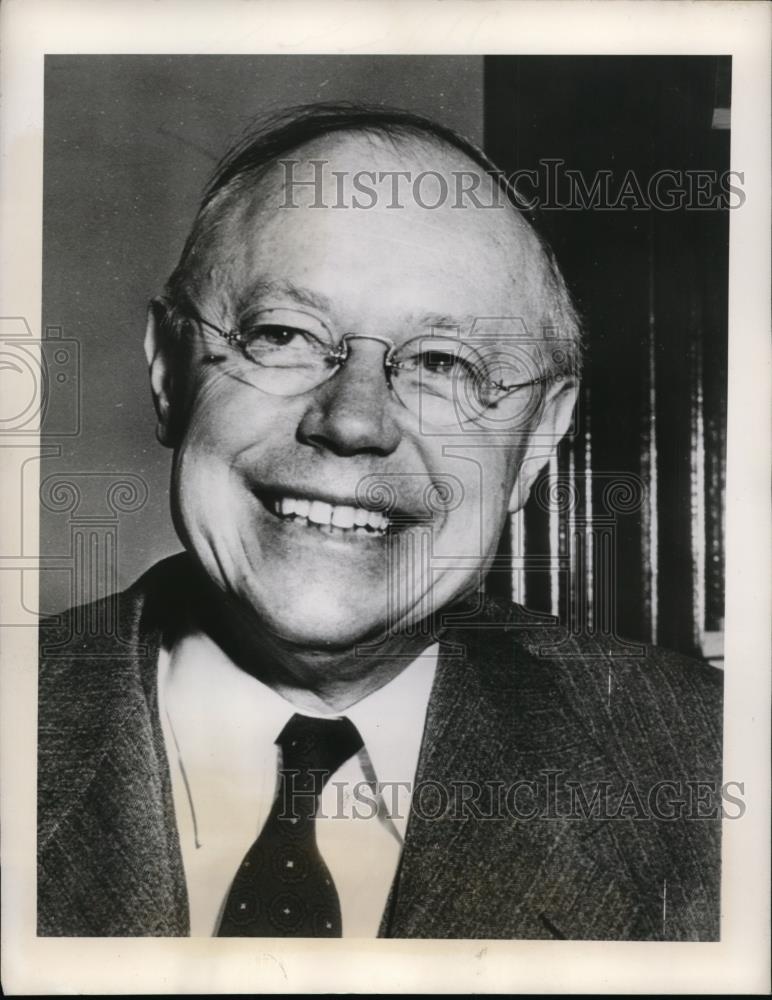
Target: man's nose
{"type": "Point", "coordinates": [353, 412]}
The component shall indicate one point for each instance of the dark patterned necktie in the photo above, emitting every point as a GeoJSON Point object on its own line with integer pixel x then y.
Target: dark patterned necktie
{"type": "Point", "coordinates": [283, 888]}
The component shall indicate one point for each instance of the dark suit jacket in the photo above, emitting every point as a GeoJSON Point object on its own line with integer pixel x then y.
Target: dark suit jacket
{"type": "Point", "coordinates": [513, 702]}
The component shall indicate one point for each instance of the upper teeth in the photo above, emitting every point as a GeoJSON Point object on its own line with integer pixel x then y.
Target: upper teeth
{"type": "Point", "coordinates": [338, 515]}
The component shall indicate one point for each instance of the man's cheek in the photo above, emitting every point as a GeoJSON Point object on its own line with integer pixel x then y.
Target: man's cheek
{"type": "Point", "coordinates": [471, 500]}
{"type": "Point", "coordinates": [202, 492]}
{"type": "Point", "coordinates": [215, 432]}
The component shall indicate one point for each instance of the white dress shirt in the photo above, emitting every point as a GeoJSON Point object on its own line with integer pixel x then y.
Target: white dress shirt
{"type": "Point", "coordinates": [220, 724]}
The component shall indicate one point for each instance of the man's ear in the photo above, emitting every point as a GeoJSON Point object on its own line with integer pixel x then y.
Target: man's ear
{"type": "Point", "coordinates": [161, 352]}
{"type": "Point", "coordinates": [553, 424]}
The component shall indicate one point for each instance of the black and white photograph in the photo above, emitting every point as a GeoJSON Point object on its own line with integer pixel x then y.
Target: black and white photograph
{"type": "Point", "coordinates": [373, 471]}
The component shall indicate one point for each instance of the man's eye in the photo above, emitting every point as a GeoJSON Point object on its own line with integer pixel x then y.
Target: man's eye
{"type": "Point", "coordinates": [277, 345]}
{"type": "Point", "coordinates": [270, 335]}
{"type": "Point", "coordinates": [440, 362]}
{"type": "Point", "coordinates": [445, 364]}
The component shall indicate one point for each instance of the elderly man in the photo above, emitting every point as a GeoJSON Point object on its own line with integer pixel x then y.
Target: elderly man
{"type": "Point", "coordinates": [320, 727]}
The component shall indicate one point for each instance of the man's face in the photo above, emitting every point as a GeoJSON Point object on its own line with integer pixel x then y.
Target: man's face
{"type": "Point", "coordinates": [255, 473]}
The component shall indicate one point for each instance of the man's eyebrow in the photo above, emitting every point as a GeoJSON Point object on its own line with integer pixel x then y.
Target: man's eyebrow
{"type": "Point", "coordinates": [286, 289]}
{"type": "Point", "coordinates": [463, 323]}
{"type": "Point", "coordinates": [316, 300]}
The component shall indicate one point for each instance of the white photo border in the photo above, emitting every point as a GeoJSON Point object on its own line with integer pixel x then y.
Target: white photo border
{"type": "Point", "coordinates": [740, 962]}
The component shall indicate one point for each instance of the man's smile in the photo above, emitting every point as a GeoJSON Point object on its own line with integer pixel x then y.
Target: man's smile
{"type": "Point", "coordinates": [320, 514]}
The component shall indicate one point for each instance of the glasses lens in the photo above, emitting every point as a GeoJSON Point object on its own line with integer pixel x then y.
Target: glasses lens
{"type": "Point", "coordinates": [290, 352]}
{"type": "Point", "coordinates": [450, 383]}
{"type": "Point", "coordinates": [433, 374]}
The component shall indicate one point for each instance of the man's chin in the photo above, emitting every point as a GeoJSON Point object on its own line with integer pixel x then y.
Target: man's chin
{"type": "Point", "coordinates": [310, 623]}
{"type": "Point", "coordinates": [315, 629]}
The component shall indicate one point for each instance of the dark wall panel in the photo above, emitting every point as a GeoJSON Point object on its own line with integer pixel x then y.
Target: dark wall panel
{"type": "Point", "coordinates": [651, 284]}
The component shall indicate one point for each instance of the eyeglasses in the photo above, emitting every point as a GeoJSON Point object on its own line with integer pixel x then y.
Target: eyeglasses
{"type": "Point", "coordinates": [438, 377]}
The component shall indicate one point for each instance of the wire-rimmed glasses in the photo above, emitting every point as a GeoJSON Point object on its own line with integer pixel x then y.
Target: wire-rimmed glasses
{"type": "Point", "coordinates": [435, 374]}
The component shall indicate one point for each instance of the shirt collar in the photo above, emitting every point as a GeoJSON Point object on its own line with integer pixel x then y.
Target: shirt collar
{"type": "Point", "coordinates": [390, 719]}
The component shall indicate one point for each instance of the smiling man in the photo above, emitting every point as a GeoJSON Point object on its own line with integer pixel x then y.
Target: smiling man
{"type": "Point", "coordinates": [321, 727]}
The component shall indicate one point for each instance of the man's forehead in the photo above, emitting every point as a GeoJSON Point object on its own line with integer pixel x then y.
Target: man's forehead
{"type": "Point", "coordinates": [373, 174]}
{"type": "Point", "coordinates": [306, 215]}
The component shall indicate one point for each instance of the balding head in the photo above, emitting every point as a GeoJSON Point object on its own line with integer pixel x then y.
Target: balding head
{"type": "Point", "coordinates": [302, 158]}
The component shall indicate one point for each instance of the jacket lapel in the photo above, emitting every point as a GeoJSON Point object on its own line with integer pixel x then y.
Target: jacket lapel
{"type": "Point", "coordinates": [486, 854]}
{"type": "Point", "coordinates": [108, 852]}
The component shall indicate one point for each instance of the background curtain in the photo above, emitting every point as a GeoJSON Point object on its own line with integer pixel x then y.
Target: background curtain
{"type": "Point", "coordinates": [624, 533]}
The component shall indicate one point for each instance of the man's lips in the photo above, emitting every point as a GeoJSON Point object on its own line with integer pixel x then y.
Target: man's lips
{"type": "Point", "coordinates": [325, 512]}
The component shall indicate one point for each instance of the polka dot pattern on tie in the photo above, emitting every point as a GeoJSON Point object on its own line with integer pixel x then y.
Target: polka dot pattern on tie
{"type": "Point", "coordinates": [283, 887]}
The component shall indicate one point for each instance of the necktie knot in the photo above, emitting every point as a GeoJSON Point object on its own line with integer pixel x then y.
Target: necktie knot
{"type": "Point", "coordinates": [317, 745]}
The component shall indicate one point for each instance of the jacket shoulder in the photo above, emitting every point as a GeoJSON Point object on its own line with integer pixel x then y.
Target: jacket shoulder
{"type": "Point", "coordinates": [96, 671]}
{"type": "Point", "coordinates": [656, 708]}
